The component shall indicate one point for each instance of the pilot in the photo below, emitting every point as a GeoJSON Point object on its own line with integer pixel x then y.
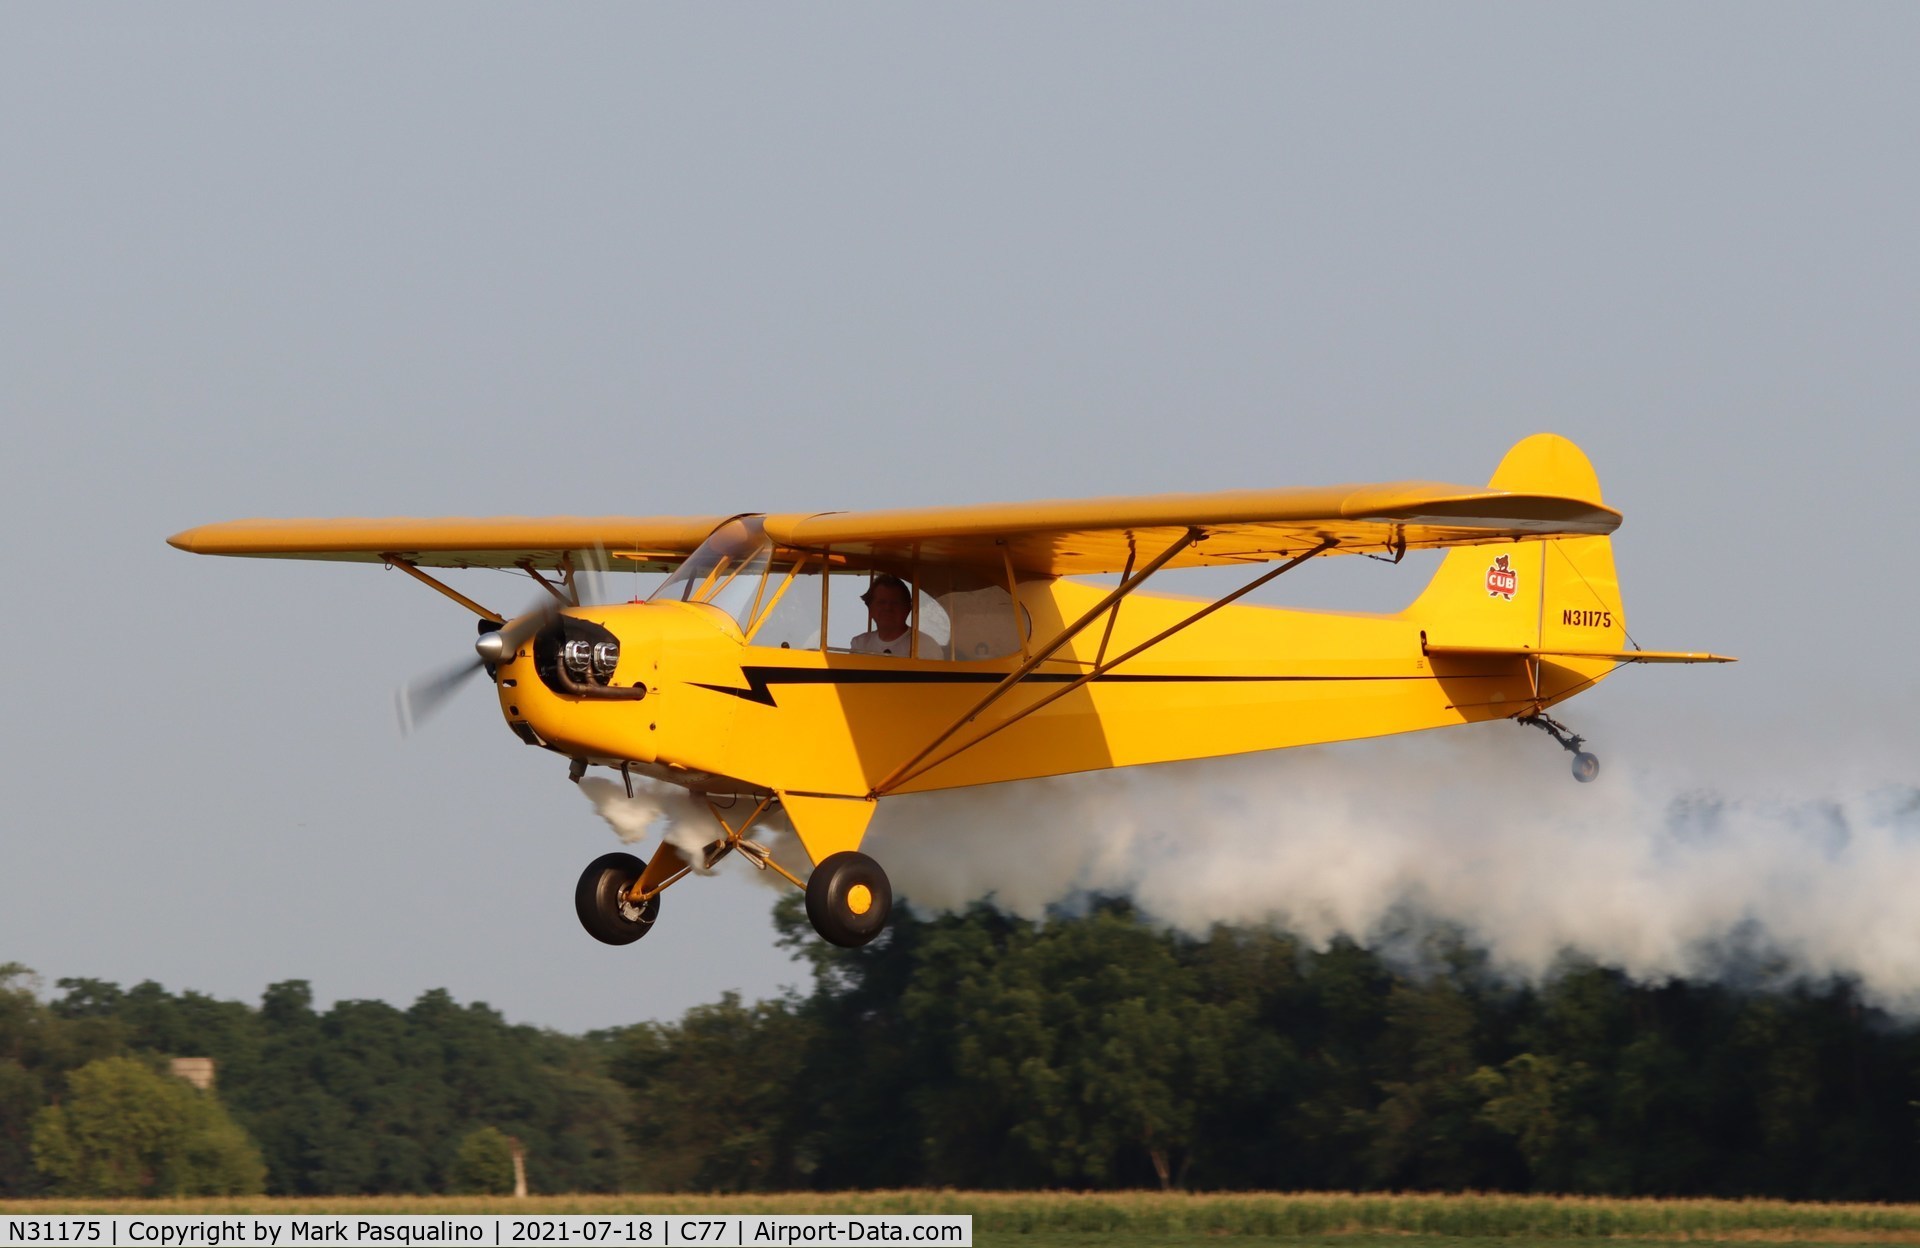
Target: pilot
{"type": "Point", "coordinates": [889, 602]}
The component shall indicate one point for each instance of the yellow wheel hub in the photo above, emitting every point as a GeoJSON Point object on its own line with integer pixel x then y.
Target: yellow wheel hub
{"type": "Point", "coordinates": [859, 899]}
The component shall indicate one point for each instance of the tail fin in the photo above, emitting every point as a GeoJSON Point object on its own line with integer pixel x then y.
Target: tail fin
{"type": "Point", "coordinates": [1558, 594]}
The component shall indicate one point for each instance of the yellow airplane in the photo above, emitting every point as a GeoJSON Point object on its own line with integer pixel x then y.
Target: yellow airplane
{"type": "Point", "coordinates": [817, 663]}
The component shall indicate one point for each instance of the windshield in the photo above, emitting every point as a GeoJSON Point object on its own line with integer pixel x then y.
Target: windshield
{"type": "Point", "coordinates": [725, 572]}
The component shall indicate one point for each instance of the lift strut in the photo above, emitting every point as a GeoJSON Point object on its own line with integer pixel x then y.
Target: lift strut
{"type": "Point", "coordinates": [914, 766]}
{"type": "Point", "coordinates": [906, 770]}
{"type": "Point", "coordinates": [413, 570]}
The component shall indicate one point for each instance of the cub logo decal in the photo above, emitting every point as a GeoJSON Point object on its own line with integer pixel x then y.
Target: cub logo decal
{"type": "Point", "coordinates": [1502, 580]}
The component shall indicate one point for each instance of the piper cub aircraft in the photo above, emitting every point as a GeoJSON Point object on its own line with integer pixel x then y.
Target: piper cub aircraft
{"type": "Point", "coordinates": [816, 664]}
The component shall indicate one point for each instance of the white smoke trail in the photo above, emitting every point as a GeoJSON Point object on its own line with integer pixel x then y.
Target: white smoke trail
{"type": "Point", "coordinates": [1474, 829]}
{"type": "Point", "coordinates": [1644, 870]}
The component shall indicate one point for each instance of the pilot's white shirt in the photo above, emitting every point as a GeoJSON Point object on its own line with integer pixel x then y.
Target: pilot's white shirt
{"type": "Point", "coordinates": [870, 643]}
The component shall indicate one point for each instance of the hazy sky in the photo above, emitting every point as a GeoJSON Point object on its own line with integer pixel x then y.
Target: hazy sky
{"type": "Point", "coordinates": [474, 259]}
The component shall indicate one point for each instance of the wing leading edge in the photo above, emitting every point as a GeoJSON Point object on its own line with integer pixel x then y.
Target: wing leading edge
{"type": "Point", "coordinates": [630, 542]}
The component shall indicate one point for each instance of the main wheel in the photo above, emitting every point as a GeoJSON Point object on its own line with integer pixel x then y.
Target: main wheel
{"type": "Point", "coordinates": [1585, 767]}
{"type": "Point", "coordinates": [848, 899]}
{"type": "Point", "coordinates": [600, 900]}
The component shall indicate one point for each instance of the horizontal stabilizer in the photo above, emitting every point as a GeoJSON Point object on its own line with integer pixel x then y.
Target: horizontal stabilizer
{"type": "Point", "coordinates": [1616, 656]}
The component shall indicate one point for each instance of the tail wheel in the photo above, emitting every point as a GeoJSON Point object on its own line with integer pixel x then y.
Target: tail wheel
{"type": "Point", "coordinates": [848, 899]}
{"type": "Point", "coordinates": [600, 900]}
{"type": "Point", "coordinates": [1586, 768]}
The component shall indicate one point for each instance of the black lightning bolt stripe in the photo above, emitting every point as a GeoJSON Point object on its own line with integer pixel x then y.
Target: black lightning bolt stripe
{"type": "Point", "coordinates": [760, 680]}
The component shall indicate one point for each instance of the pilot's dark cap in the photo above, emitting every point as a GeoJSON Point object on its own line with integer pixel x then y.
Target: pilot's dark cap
{"type": "Point", "coordinates": [886, 578]}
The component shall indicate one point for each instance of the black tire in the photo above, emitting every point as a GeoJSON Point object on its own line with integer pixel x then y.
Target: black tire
{"type": "Point", "coordinates": [834, 902]}
{"type": "Point", "coordinates": [597, 899]}
{"type": "Point", "coordinates": [1585, 767]}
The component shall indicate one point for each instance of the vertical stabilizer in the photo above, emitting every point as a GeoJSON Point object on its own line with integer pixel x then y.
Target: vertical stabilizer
{"type": "Point", "coordinates": [1554, 594]}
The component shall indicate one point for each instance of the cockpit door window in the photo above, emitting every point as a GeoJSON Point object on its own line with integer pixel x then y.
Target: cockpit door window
{"type": "Point", "coordinates": [812, 600]}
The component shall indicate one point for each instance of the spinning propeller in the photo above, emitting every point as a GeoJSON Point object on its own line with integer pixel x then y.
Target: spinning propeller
{"type": "Point", "coordinates": [419, 699]}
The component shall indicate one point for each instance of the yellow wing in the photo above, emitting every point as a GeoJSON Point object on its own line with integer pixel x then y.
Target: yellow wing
{"type": "Point", "coordinates": [629, 542]}
{"type": "Point", "coordinates": [1238, 526]}
{"type": "Point", "coordinates": [1044, 538]}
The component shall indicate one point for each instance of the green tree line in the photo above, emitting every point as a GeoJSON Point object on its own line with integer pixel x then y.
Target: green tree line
{"type": "Point", "coordinates": [976, 1050]}
{"type": "Point", "coordinates": [360, 1098]}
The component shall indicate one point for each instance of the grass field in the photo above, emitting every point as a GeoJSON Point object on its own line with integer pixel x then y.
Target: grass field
{"type": "Point", "coordinates": [1042, 1219]}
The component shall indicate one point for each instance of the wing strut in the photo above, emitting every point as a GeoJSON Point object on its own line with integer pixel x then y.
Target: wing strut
{"type": "Point", "coordinates": [1113, 616]}
{"type": "Point", "coordinates": [1033, 661]}
{"type": "Point", "coordinates": [414, 572]}
{"type": "Point", "coordinates": [526, 565]}
{"type": "Point", "coordinates": [913, 767]}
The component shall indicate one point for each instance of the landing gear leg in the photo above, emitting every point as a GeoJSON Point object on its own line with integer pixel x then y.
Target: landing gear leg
{"type": "Point", "coordinates": [1585, 766]}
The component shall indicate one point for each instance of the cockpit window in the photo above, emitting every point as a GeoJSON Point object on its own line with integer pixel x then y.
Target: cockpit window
{"type": "Point", "coordinates": [727, 571]}
{"type": "Point", "coordinates": [784, 598]}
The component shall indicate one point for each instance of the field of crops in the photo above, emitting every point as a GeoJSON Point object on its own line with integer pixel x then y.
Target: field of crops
{"type": "Point", "coordinates": [1032, 1219]}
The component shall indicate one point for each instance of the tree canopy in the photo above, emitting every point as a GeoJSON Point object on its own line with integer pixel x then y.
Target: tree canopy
{"type": "Point", "coordinates": [126, 1130]}
{"type": "Point", "coordinates": [977, 1050]}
